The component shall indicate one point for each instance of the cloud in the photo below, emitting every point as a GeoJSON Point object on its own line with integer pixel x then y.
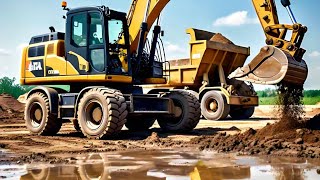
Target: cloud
{"type": "Point", "coordinates": [20, 47]}
{"type": "Point", "coordinates": [4, 52]}
{"type": "Point", "coordinates": [174, 51]}
{"type": "Point", "coordinates": [236, 19]}
{"type": "Point", "coordinates": [314, 54]}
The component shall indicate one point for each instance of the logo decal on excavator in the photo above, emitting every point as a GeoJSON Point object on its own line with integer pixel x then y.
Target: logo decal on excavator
{"type": "Point", "coordinates": [34, 66]}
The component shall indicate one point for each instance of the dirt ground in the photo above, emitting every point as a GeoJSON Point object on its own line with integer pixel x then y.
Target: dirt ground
{"type": "Point", "coordinates": [18, 146]}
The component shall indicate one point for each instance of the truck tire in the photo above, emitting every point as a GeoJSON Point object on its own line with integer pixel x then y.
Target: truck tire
{"type": "Point", "coordinates": [240, 113]}
{"type": "Point", "coordinates": [39, 119]}
{"type": "Point", "coordinates": [102, 113]}
{"type": "Point", "coordinates": [187, 113]}
{"type": "Point", "coordinates": [76, 125]}
{"type": "Point", "coordinates": [139, 123]}
{"type": "Point", "coordinates": [214, 106]}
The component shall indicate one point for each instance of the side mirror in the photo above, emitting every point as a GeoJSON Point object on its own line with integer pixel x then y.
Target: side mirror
{"type": "Point", "coordinates": [162, 33]}
{"type": "Point", "coordinates": [285, 3]}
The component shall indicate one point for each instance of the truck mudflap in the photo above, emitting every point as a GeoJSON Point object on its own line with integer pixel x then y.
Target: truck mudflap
{"type": "Point", "coordinates": [272, 66]}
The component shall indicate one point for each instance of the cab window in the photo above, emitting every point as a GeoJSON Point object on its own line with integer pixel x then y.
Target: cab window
{"type": "Point", "coordinates": [96, 42]}
{"type": "Point", "coordinates": [115, 30]}
{"type": "Point", "coordinates": [79, 30]}
{"type": "Point", "coordinates": [117, 50]}
{"type": "Point", "coordinates": [96, 35]}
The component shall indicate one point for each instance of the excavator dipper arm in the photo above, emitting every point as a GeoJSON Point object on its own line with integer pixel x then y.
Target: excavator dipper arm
{"type": "Point", "coordinates": [281, 61]}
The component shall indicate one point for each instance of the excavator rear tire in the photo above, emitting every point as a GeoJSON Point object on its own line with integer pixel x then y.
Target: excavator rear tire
{"type": "Point", "coordinates": [214, 106]}
{"type": "Point", "coordinates": [102, 113]}
{"type": "Point", "coordinates": [241, 113]}
{"type": "Point", "coordinates": [139, 124]}
{"type": "Point", "coordinates": [39, 119]}
{"type": "Point", "coordinates": [188, 109]}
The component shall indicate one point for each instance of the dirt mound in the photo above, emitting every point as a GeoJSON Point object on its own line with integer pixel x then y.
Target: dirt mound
{"type": "Point", "coordinates": [302, 142]}
{"type": "Point", "coordinates": [155, 140]}
{"type": "Point", "coordinates": [220, 38]}
{"type": "Point", "coordinates": [10, 107]}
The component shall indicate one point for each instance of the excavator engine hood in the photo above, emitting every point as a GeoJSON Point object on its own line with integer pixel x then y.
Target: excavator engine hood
{"type": "Point", "coordinates": [272, 66]}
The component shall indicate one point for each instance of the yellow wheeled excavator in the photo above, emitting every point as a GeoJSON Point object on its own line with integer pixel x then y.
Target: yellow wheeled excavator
{"type": "Point", "coordinates": [104, 57]}
{"type": "Point", "coordinates": [101, 56]}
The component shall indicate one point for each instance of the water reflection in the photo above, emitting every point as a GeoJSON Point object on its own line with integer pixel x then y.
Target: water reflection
{"type": "Point", "coordinates": [173, 165]}
{"type": "Point", "coordinates": [205, 173]}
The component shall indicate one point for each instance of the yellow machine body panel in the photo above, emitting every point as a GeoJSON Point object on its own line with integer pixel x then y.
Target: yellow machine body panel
{"type": "Point", "coordinates": [44, 63]}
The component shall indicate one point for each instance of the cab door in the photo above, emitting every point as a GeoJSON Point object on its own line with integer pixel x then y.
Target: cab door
{"type": "Point", "coordinates": [86, 44]}
{"type": "Point", "coordinates": [96, 45]}
{"type": "Point", "coordinates": [77, 44]}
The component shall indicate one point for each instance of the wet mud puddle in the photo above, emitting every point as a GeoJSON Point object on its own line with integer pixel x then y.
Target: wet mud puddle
{"type": "Point", "coordinates": [169, 165]}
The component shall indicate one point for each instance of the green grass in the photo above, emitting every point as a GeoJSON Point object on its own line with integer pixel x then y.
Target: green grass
{"type": "Point", "coordinates": [272, 100]}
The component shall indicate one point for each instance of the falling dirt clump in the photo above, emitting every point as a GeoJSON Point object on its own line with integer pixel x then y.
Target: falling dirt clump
{"type": "Point", "coordinates": [10, 107]}
{"type": "Point", "coordinates": [290, 107]}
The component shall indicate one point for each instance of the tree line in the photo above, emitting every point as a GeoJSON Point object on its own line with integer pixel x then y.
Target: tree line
{"type": "Point", "coordinates": [273, 93]}
{"type": "Point", "coordinates": [8, 86]}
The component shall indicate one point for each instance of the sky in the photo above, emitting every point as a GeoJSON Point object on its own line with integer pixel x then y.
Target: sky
{"type": "Point", "coordinates": [235, 19]}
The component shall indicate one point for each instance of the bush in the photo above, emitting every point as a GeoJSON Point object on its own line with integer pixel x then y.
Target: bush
{"type": "Point", "coordinates": [8, 86]}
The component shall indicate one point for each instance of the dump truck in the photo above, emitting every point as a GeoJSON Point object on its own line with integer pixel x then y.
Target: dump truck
{"type": "Point", "coordinates": [204, 73]}
{"type": "Point", "coordinates": [212, 58]}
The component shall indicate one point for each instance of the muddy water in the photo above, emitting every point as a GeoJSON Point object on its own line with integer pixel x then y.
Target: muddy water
{"type": "Point", "coordinates": [169, 165]}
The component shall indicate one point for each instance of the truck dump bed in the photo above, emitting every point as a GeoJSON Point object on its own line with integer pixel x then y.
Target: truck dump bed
{"type": "Point", "coordinates": [207, 51]}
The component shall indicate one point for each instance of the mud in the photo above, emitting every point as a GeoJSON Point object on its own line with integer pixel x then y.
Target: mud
{"type": "Point", "coordinates": [18, 146]}
{"type": "Point", "coordinates": [302, 142]}
{"type": "Point", "coordinates": [167, 164]}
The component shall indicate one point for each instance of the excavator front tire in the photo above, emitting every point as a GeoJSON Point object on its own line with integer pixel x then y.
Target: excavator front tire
{"type": "Point", "coordinates": [102, 113]}
{"type": "Point", "coordinates": [187, 113]}
{"type": "Point", "coordinates": [214, 106]}
{"type": "Point", "coordinates": [39, 119]}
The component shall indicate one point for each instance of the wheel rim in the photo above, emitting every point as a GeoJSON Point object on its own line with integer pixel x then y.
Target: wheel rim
{"type": "Point", "coordinates": [211, 105]}
{"type": "Point", "coordinates": [36, 114]}
{"type": "Point", "coordinates": [94, 114]}
{"type": "Point", "coordinates": [178, 113]}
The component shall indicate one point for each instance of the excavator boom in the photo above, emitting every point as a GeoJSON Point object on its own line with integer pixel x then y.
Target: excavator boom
{"type": "Point", "coordinates": [278, 62]}
{"type": "Point", "coordinates": [281, 61]}
{"type": "Point", "coordinates": [140, 11]}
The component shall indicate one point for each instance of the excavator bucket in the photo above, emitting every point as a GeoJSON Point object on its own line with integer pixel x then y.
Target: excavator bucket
{"type": "Point", "coordinates": [272, 66]}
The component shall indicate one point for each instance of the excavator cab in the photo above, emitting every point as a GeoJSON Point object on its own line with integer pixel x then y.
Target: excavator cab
{"type": "Point", "coordinates": [93, 33]}
{"type": "Point", "coordinates": [281, 61]}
